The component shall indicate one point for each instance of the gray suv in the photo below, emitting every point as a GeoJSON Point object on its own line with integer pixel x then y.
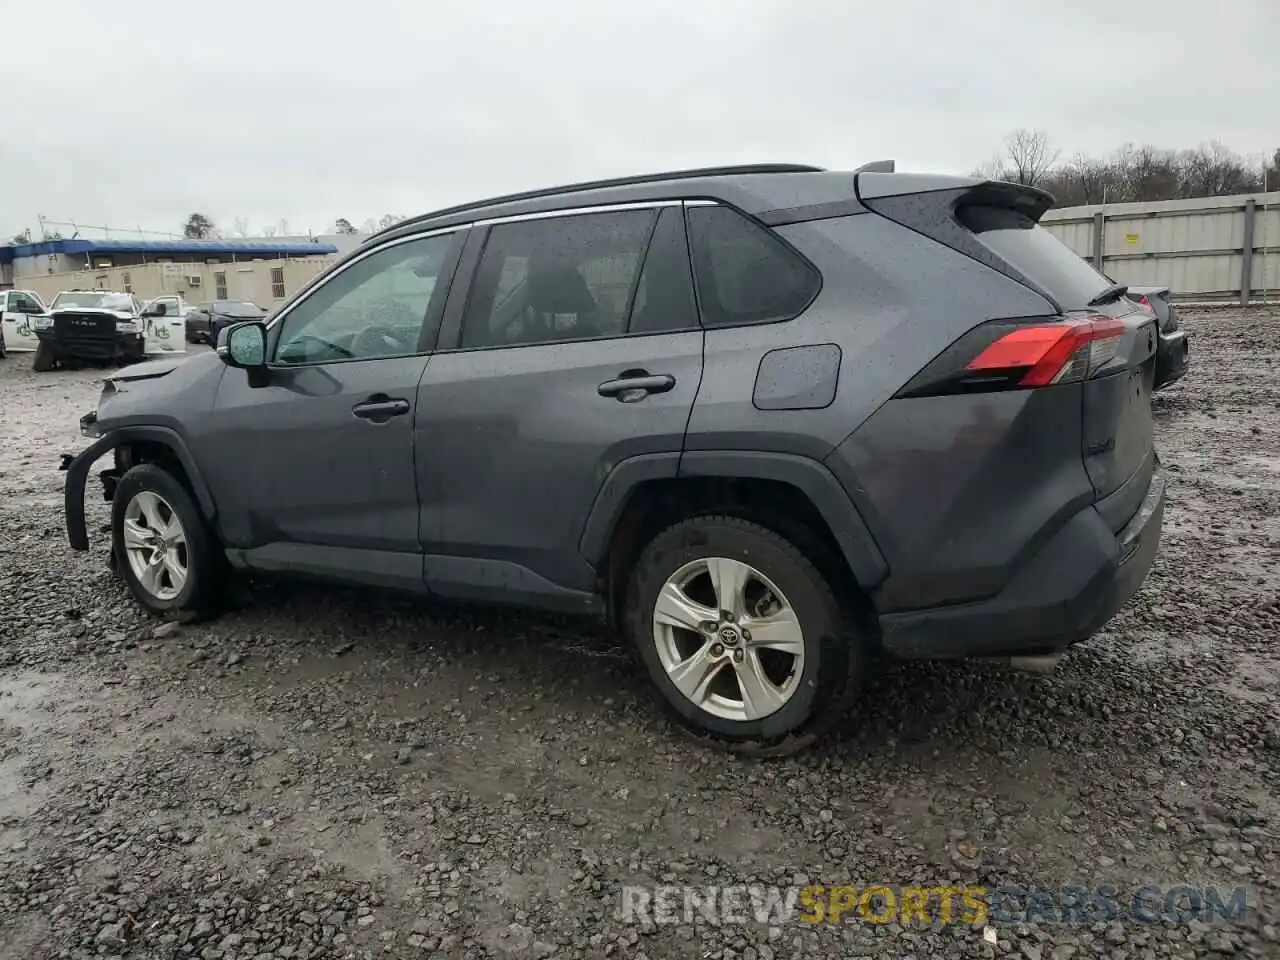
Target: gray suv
{"type": "Point", "coordinates": [766, 419]}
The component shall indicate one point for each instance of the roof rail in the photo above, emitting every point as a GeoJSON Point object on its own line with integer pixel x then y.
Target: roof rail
{"type": "Point", "coordinates": [615, 182]}
{"type": "Point", "coordinates": [876, 166]}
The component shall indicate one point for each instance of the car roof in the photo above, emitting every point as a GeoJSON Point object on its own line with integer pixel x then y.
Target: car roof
{"type": "Point", "coordinates": [778, 192]}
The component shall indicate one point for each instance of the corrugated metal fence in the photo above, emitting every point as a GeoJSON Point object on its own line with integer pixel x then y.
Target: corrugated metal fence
{"type": "Point", "coordinates": [1211, 249]}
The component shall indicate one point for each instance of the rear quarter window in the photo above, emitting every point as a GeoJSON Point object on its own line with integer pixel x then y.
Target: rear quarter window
{"type": "Point", "coordinates": [1034, 251]}
{"type": "Point", "coordinates": [744, 274]}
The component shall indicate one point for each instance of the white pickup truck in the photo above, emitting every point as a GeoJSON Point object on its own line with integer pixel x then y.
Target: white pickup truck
{"type": "Point", "coordinates": [17, 309]}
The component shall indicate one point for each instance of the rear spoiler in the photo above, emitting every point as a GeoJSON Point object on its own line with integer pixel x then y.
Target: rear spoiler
{"type": "Point", "coordinates": [875, 184]}
{"type": "Point", "coordinates": [1032, 201]}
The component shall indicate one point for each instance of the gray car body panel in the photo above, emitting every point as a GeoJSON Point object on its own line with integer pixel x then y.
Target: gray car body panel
{"type": "Point", "coordinates": [506, 478]}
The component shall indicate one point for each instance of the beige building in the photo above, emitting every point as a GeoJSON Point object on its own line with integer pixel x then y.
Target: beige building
{"type": "Point", "coordinates": [264, 272]}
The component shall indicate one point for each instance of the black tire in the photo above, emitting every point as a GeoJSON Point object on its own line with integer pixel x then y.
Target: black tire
{"type": "Point", "coordinates": [203, 590]}
{"type": "Point", "coordinates": [44, 359]}
{"type": "Point", "coordinates": [3, 352]}
{"type": "Point", "coordinates": [834, 647]}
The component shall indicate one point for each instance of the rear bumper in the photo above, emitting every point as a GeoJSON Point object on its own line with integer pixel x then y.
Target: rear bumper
{"type": "Point", "coordinates": [1173, 356]}
{"type": "Point", "coordinates": [1066, 592]}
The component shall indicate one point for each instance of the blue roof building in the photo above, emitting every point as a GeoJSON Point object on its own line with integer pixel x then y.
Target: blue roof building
{"type": "Point", "coordinates": [197, 269]}
{"type": "Point", "coordinates": [131, 252]}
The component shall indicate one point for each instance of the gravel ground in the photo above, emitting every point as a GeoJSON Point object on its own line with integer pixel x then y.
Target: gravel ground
{"type": "Point", "coordinates": [327, 773]}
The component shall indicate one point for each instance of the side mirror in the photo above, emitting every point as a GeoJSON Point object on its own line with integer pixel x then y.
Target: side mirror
{"type": "Point", "coordinates": [244, 345]}
{"type": "Point", "coordinates": [156, 310]}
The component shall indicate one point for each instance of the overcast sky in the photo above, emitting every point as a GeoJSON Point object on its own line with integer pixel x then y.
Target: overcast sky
{"type": "Point", "coordinates": [138, 112]}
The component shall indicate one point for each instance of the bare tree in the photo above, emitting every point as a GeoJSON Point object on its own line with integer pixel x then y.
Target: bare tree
{"type": "Point", "coordinates": [241, 226]}
{"type": "Point", "coordinates": [389, 220]}
{"type": "Point", "coordinates": [1131, 173]}
{"type": "Point", "coordinates": [1214, 170]}
{"type": "Point", "coordinates": [284, 227]}
{"type": "Point", "coordinates": [1031, 156]}
{"type": "Point", "coordinates": [370, 225]}
{"type": "Point", "coordinates": [1095, 178]}
{"type": "Point", "coordinates": [1082, 180]}
{"type": "Point", "coordinates": [1152, 174]}
{"type": "Point", "coordinates": [993, 169]}
{"type": "Point", "coordinates": [268, 232]}
{"type": "Point", "coordinates": [343, 225]}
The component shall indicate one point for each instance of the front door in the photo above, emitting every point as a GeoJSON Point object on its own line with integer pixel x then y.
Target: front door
{"type": "Point", "coordinates": [578, 347]}
{"type": "Point", "coordinates": [315, 469]}
{"type": "Point", "coordinates": [18, 308]}
{"type": "Point", "coordinates": [167, 334]}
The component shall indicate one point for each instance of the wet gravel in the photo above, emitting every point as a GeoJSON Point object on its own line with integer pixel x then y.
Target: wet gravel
{"type": "Point", "coordinates": [330, 773]}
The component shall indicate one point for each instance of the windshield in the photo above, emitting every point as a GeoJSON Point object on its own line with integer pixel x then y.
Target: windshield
{"type": "Point", "coordinates": [238, 308]}
{"type": "Point", "coordinates": [94, 298]}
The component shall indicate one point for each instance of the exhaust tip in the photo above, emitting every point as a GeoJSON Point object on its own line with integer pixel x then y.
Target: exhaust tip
{"type": "Point", "coordinates": [1043, 663]}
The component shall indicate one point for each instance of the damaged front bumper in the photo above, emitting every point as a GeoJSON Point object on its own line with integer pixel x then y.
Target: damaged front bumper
{"type": "Point", "coordinates": [76, 466]}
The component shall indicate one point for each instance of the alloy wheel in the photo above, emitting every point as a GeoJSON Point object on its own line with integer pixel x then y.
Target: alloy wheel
{"type": "Point", "coordinates": [728, 639]}
{"type": "Point", "coordinates": [156, 545]}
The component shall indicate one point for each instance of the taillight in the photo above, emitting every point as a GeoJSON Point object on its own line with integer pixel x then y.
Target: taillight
{"type": "Point", "coordinates": [1008, 355]}
{"type": "Point", "coordinates": [1145, 304]}
{"type": "Point", "coordinates": [1052, 352]}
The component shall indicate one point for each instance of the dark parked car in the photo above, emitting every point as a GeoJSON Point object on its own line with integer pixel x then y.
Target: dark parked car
{"type": "Point", "coordinates": [89, 325]}
{"type": "Point", "coordinates": [204, 322]}
{"type": "Point", "coordinates": [1173, 349]}
{"type": "Point", "coordinates": [766, 419]}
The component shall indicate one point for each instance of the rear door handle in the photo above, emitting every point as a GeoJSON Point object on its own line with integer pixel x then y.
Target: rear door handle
{"type": "Point", "coordinates": [380, 409]}
{"type": "Point", "coordinates": [630, 388]}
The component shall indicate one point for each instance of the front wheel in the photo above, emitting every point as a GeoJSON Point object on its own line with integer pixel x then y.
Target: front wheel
{"type": "Point", "coordinates": [742, 636]}
{"type": "Point", "coordinates": [163, 547]}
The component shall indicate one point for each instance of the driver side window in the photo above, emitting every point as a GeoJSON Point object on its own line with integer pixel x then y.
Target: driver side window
{"type": "Point", "coordinates": [376, 307]}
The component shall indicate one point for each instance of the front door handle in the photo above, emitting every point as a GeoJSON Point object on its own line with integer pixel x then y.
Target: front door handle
{"type": "Point", "coordinates": [380, 409]}
{"type": "Point", "coordinates": [631, 387]}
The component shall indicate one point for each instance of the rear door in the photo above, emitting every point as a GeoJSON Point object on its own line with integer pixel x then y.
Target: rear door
{"type": "Point", "coordinates": [573, 345]}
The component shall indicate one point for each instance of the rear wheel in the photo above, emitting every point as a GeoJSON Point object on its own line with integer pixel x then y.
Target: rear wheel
{"type": "Point", "coordinates": [44, 359]}
{"type": "Point", "coordinates": [742, 636]}
{"type": "Point", "coordinates": [162, 545]}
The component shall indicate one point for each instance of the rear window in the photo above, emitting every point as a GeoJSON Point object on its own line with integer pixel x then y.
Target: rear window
{"type": "Point", "coordinates": [1035, 252]}
{"type": "Point", "coordinates": [237, 308]}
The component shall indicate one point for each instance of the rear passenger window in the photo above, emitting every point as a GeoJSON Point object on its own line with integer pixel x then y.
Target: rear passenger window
{"type": "Point", "coordinates": [744, 273]}
{"type": "Point", "coordinates": [559, 278]}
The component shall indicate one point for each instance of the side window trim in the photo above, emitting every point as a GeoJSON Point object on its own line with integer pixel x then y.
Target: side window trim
{"type": "Point", "coordinates": [429, 328]}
